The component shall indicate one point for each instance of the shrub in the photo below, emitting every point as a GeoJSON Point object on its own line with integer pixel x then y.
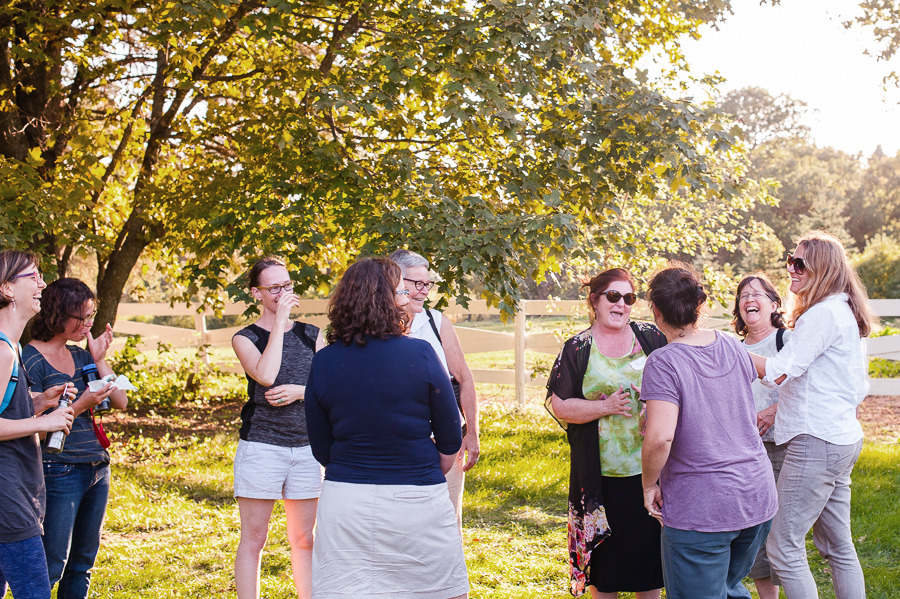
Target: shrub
{"type": "Point", "coordinates": [171, 380]}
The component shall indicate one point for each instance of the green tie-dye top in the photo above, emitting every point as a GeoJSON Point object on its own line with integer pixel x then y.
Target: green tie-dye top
{"type": "Point", "coordinates": [620, 437]}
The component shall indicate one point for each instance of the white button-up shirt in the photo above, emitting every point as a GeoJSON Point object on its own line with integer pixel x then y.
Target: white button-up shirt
{"type": "Point", "coordinates": [826, 366]}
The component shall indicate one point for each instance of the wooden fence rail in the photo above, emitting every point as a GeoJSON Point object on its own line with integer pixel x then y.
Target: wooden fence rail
{"type": "Point", "coordinates": [473, 340]}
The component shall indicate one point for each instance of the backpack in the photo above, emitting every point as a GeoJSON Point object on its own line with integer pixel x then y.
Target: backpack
{"type": "Point", "coordinates": [14, 379]}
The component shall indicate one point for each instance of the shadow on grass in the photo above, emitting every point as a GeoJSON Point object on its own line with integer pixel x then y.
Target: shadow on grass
{"type": "Point", "coordinates": [211, 493]}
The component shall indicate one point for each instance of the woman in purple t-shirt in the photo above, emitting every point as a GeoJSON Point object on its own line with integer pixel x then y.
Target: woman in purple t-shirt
{"type": "Point", "coordinates": [715, 495]}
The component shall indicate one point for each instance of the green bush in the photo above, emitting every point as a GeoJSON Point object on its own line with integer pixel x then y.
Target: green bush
{"type": "Point", "coordinates": [171, 380]}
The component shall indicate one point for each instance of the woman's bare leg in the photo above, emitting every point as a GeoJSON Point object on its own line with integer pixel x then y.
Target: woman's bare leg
{"type": "Point", "coordinates": [301, 520]}
{"type": "Point", "coordinates": [255, 515]}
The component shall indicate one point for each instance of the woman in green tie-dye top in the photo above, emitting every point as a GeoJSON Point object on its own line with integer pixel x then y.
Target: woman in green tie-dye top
{"type": "Point", "coordinates": [593, 392]}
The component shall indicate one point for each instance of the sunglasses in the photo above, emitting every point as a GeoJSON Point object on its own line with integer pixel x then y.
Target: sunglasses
{"type": "Point", "coordinates": [798, 264]}
{"type": "Point", "coordinates": [613, 297]}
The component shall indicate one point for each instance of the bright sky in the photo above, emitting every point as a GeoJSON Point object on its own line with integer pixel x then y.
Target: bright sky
{"type": "Point", "coordinates": [801, 48]}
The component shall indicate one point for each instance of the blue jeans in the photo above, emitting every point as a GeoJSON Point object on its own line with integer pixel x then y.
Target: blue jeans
{"type": "Point", "coordinates": [76, 506]}
{"type": "Point", "coordinates": [23, 565]}
{"type": "Point", "coordinates": [709, 565]}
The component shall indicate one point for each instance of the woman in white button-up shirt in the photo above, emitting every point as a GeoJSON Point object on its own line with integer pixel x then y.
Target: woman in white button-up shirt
{"type": "Point", "coordinates": [821, 375]}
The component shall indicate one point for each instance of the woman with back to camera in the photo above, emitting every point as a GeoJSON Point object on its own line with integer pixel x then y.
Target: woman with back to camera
{"type": "Point", "coordinates": [715, 495]}
{"type": "Point", "coordinates": [386, 526]}
{"type": "Point", "coordinates": [435, 328]}
{"type": "Point", "coordinates": [593, 393]}
{"type": "Point", "coordinates": [273, 459]}
{"type": "Point", "coordinates": [23, 564]}
{"type": "Point", "coordinates": [759, 320]}
{"type": "Point", "coordinates": [77, 478]}
{"type": "Point", "coordinates": [821, 375]}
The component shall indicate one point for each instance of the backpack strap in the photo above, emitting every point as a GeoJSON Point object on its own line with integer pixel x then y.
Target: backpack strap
{"type": "Point", "coordinates": [779, 340]}
{"type": "Point", "coordinates": [434, 326]}
{"type": "Point", "coordinates": [14, 379]}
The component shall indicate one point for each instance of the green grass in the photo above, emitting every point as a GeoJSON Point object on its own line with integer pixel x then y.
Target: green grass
{"type": "Point", "coordinates": [172, 527]}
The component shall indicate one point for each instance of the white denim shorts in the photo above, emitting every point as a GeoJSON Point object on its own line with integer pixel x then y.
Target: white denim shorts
{"type": "Point", "coordinates": [263, 471]}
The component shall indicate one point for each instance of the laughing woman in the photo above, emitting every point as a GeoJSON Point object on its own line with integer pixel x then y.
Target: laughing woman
{"type": "Point", "coordinates": [821, 375]}
{"type": "Point", "coordinates": [23, 564]}
{"type": "Point", "coordinates": [759, 319]}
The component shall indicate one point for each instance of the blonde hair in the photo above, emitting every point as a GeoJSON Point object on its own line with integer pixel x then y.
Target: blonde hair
{"type": "Point", "coordinates": [830, 273]}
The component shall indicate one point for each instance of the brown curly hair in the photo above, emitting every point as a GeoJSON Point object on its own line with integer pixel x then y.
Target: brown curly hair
{"type": "Point", "coordinates": [61, 300]}
{"type": "Point", "coordinates": [364, 304]}
{"type": "Point", "coordinates": [740, 327]}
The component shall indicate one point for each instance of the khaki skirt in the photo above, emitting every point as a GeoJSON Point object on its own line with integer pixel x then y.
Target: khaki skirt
{"type": "Point", "coordinates": [387, 540]}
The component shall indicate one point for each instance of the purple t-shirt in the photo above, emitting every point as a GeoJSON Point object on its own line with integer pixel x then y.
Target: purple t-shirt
{"type": "Point", "coordinates": [717, 477]}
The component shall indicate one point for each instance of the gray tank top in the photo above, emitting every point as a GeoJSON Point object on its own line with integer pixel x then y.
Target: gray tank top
{"type": "Point", "coordinates": [22, 492]}
{"type": "Point", "coordinates": [261, 422]}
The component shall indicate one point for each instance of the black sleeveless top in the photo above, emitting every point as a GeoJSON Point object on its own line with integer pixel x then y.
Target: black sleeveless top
{"type": "Point", "coordinates": [285, 426]}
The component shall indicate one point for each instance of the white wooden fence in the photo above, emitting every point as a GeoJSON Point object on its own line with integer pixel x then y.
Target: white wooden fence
{"type": "Point", "coordinates": [473, 340]}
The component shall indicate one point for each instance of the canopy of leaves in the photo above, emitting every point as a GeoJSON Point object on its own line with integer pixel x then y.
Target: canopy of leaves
{"type": "Point", "coordinates": [499, 138]}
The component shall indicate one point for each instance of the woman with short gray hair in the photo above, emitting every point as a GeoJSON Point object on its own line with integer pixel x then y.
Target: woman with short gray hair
{"type": "Point", "coordinates": [432, 326]}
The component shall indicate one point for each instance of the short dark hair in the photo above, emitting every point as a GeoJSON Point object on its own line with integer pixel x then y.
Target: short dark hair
{"type": "Point", "coordinates": [740, 327]}
{"type": "Point", "coordinates": [601, 282]}
{"type": "Point", "coordinates": [364, 304]}
{"type": "Point", "coordinates": [60, 301]}
{"type": "Point", "coordinates": [13, 262]}
{"type": "Point", "coordinates": [257, 269]}
{"type": "Point", "coordinates": [678, 295]}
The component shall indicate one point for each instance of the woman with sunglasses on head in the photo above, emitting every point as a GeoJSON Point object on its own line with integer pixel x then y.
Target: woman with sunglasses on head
{"type": "Point", "coordinates": [273, 459]}
{"type": "Point", "coordinates": [593, 393]}
{"type": "Point", "coordinates": [705, 472]}
{"type": "Point", "coordinates": [759, 320]}
{"type": "Point", "coordinates": [821, 376]}
{"type": "Point", "coordinates": [23, 565]}
{"type": "Point", "coordinates": [384, 423]}
{"type": "Point", "coordinates": [433, 327]}
{"type": "Point", "coordinates": [77, 478]}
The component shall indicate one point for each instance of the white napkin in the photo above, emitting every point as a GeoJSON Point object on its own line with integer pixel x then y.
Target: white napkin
{"type": "Point", "coordinates": [121, 382]}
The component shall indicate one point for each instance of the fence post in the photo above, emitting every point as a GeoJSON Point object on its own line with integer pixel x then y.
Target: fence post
{"type": "Point", "coordinates": [520, 356]}
{"type": "Point", "coordinates": [200, 328]}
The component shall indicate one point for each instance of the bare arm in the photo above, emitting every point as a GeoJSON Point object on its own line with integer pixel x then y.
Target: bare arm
{"type": "Point", "coordinates": [98, 348]}
{"type": "Point", "coordinates": [263, 367]}
{"type": "Point", "coordinates": [56, 420]}
{"type": "Point", "coordinates": [759, 363]}
{"type": "Point", "coordinates": [456, 363]}
{"type": "Point", "coordinates": [662, 418]}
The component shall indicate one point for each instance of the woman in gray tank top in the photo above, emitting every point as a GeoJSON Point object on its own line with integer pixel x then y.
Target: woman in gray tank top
{"type": "Point", "coordinates": [22, 497]}
{"type": "Point", "coordinates": [274, 460]}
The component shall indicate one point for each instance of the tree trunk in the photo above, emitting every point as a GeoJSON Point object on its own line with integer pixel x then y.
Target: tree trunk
{"type": "Point", "coordinates": [111, 280]}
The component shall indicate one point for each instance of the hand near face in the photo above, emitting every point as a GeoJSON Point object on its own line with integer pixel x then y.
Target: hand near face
{"type": "Point", "coordinates": [99, 346]}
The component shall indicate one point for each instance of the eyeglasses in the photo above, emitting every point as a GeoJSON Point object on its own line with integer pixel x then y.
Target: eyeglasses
{"type": "Point", "coordinates": [420, 285]}
{"type": "Point", "coordinates": [276, 289]}
{"type": "Point", "coordinates": [403, 292]}
{"type": "Point", "coordinates": [613, 297]}
{"type": "Point", "coordinates": [755, 295]}
{"type": "Point", "coordinates": [82, 320]}
{"type": "Point", "coordinates": [34, 276]}
{"type": "Point", "coordinates": [798, 264]}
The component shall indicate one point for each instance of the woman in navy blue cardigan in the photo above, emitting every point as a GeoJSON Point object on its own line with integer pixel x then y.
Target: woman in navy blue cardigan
{"type": "Point", "coordinates": [382, 419]}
